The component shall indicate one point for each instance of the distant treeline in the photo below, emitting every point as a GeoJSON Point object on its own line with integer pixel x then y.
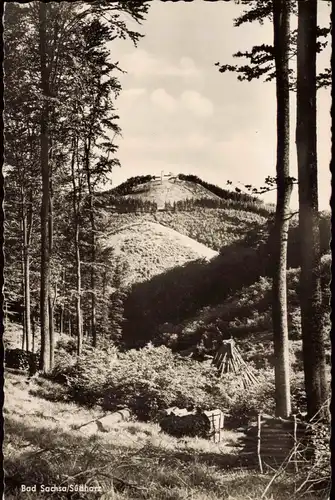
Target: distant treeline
{"type": "Point", "coordinates": [228, 199]}
{"type": "Point", "coordinates": [225, 194]}
{"type": "Point", "coordinates": [237, 204]}
{"type": "Point", "coordinates": [128, 186]}
{"type": "Point", "coordinates": [121, 204]}
{"type": "Point", "coordinates": [124, 205]}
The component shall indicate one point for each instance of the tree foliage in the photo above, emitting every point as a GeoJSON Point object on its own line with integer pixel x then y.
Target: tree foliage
{"type": "Point", "coordinates": [261, 58]}
{"type": "Point", "coordinates": [70, 108]}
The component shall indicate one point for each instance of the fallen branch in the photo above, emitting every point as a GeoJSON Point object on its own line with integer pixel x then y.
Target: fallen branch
{"type": "Point", "coordinates": [77, 427]}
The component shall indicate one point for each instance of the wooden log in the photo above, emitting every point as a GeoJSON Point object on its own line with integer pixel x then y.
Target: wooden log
{"type": "Point", "coordinates": [279, 431]}
{"type": "Point", "coordinates": [277, 424]}
{"type": "Point", "coordinates": [295, 443]}
{"type": "Point", "coordinates": [278, 443]}
{"type": "Point", "coordinates": [259, 424]}
{"type": "Point", "coordinates": [269, 450]}
{"type": "Point", "coordinates": [223, 365]}
{"type": "Point", "coordinates": [218, 358]}
{"type": "Point", "coordinates": [107, 423]}
{"type": "Point", "coordinates": [233, 365]}
{"type": "Point", "coordinates": [215, 358]}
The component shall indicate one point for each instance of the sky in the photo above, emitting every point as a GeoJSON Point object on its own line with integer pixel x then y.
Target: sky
{"type": "Point", "coordinates": [179, 114]}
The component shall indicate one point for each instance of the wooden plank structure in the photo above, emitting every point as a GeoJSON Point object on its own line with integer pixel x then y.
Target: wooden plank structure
{"type": "Point", "coordinates": [181, 422]}
{"type": "Point", "coordinates": [228, 359]}
{"type": "Point", "coordinates": [216, 421]}
{"type": "Point", "coordinates": [272, 441]}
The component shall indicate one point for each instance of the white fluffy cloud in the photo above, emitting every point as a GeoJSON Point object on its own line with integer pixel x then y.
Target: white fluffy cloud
{"type": "Point", "coordinates": [142, 64]}
{"type": "Point", "coordinates": [198, 104]}
{"type": "Point", "coordinates": [164, 100]}
{"type": "Point", "coordinates": [133, 93]}
{"type": "Point", "coordinates": [190, 101]}
{"type": "Point", "coordinates": [194, 141]}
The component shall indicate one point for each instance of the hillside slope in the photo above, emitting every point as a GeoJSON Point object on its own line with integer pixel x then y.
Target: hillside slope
{"type": "Point", "coordinates": [212, 227]}
{"type": "Point", "coordinates": [169, 190]}
{"type": "Point", "coordinates": [170, 258]}
{"type": "Point", "coordinates": [147, 249]}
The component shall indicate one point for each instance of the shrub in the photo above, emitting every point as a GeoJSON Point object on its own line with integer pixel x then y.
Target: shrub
{"type": "Point", "coordinates": [256, 399]}
{"type": "Point", "coordinates": [152, 379]}
{"type": "Point", "coordinates": [84, 375]}
{"type": "Point", "coordinates": [66, 344]}
{"type": "Point", "coordinates": [64, 362]}
{"type": "Point", "coordinates": [21, 360]}
{"type": "Point", "coordinates": [146, 381]}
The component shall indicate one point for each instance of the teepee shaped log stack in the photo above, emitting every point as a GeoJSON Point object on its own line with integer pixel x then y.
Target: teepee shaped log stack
{"type": "Point", "coordinates": [229, 360]}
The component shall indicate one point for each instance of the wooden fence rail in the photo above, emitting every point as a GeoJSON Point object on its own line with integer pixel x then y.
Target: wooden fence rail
{"type": "Point", "coordinates": [273, 440]}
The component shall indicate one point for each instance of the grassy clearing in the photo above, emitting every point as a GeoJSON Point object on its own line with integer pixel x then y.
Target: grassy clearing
{"type": "Point", "coordinates": [170, 191]}
{"type": "Point", "coordinates": [134, 461]}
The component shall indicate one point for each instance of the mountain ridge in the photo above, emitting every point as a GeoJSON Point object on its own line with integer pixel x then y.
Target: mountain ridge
{"type": "Point", "coordinates": [169, 190]}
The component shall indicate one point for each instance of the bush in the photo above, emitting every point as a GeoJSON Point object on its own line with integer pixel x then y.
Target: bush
{"type": "Point", "coordinates": [152, 379]}
{"type": "Point", "coordinates": [64, 362]}
{"type": "Point", "coordinates": [254, 400]}
{"type": "Point", "coordinates": [84, 375]}
{"type": "Point", "coordinates": [146, 381]}
{"type": "Point", "coordinates": [19, 359]}
{"type": "Point", "coordinates": [67, 344]}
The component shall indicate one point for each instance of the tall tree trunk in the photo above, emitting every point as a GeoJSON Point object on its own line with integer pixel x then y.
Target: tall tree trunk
{"type": "Point", "coordinates": [22, 317]}
{"type": "Point", "coordinates": [78, 297]}
{"type": "Point", "coordinates": [50, 299]}
{"type": "Point", "coordinates": [93, 253]}
{"type": "Point", "coordinates": [306, 141]}
{"type": "Point", "coordinates": [61, 319]}
{"type": "Point", "coordinates": [33, 332]}
{"type": "Point", "coordinates": [27, 306]}
{"type": "Point", "coordinates": [281, 24]}
{"type": "Point", "coordinates": [27, 228]}
{"type": "Point", "coordinates": [44, 364]}
{"type": "Point", "coordinates": [6, 314]}
{"type": "Point", "coordinates": [93, 284]}
{"type": "Point", "coordinates": [77, 256]}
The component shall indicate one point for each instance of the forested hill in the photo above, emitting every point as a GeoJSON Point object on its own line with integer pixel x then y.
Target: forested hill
{"type": "Point", "coordinates": [145, 218]}
{"type": "Point", "coordinates": [179, 192]}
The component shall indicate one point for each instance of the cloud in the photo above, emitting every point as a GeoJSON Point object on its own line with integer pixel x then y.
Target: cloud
{"type": "Point", "coordinates": [190, 101]}
{"type": "Point", "coordinates": [133, 93]}
{"type": "Point", "coordinates": [168, 143]}
{"type": "Point", "coordinates": [164, 100]}
{"type": "Point", "coordinates": [142, 64]}
{"type": "Point", "coordinates": [129, 98]}
{"type": "Point", "coordinates": [187, 67]}
{"type": "Point", "coordinates": [198, 104]}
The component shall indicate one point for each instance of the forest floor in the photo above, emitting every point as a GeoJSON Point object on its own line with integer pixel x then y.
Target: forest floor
{"type": "Point", "coordinates": [133, 461]}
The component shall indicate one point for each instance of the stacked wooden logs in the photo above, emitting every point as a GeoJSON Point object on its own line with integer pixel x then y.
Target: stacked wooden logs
{"type": "Point", "coordinates": [180, 422]}
{"type": "Point", "coordinates": [273, 441]}
{"type": "Point", "coordinates": [229, 360]}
